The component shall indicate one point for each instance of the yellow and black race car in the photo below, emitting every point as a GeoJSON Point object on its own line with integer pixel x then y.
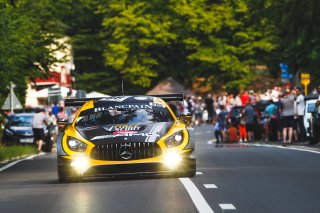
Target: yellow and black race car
{"type": "Point", "coordinates": [126, 135]}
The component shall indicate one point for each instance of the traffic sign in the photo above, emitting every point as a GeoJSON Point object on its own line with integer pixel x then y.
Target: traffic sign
{"type": "Point", "coordinates": [305, 81]}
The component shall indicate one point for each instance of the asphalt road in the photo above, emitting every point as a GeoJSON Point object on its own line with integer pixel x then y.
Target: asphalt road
{"type": "Point", "coordinates": [233, 178]}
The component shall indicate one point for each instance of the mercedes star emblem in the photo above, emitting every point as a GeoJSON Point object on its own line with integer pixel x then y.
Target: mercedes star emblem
{"type": "Point", "coordinates": [126, 151]}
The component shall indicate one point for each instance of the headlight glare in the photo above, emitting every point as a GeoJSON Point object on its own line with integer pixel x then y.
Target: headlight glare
{"type": "Point", "coordinates": [174, 140]}
{"type": "Point", "coordinates": [76, 145]}
{"type": "Point", "coordinates": [172, 159]}
{"type": "Point", "coordinates": [80, 163]}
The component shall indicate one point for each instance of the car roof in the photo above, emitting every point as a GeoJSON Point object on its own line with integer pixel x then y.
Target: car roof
{"type": "Point", "coordinates": [311, 97]}
{"type": "Point", "coordinates": [23, 114]}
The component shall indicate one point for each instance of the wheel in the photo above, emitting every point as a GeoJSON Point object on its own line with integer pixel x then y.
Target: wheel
{"type": "Point", "coordinates": [191, 173]}
{"type": "Point", "coordinates": [191, 169]}
{"type": "Point", "coordinates": [65, 176]}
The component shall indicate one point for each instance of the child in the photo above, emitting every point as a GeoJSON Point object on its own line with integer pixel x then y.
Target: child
{"type": "Point", "coordinates": [232, 134]}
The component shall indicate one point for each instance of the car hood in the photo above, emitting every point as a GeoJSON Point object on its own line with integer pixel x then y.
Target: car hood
{"type": "Point", "coordinates": [122, 133]}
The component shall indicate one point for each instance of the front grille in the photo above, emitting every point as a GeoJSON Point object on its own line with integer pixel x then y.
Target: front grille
{"type": "Point", "coordinates": [125, 151]}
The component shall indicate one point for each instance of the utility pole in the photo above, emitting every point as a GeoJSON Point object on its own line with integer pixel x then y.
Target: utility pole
{"type": "Point", "coordinates": [12, 86]}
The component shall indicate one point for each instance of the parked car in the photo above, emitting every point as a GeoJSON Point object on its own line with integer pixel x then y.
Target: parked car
{"type": "Point", "coordinates": [18, 130]}
{"type": "Point", "coordinates": [310, 119]}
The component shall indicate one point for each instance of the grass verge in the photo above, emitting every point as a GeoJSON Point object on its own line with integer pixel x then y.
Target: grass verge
{"type": "Point", "coordinates": [14, 152]}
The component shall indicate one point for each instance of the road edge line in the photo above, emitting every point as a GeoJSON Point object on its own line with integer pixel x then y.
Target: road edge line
{"type": "Point", "coordinates": [196, 196]}
{"type": "Point", "coordinates": [18, 161]}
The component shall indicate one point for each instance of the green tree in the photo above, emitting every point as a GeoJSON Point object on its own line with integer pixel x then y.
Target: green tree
{"type": "Point", "coordinates": [184, 39]}
{"type": "Point", "coordinates": [84, 27]}
{"type": "Point", "coordinates": [26, 33]}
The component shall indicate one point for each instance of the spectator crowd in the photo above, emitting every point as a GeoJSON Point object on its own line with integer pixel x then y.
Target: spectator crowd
{"type": "Point", "coordinates": [275, 115]}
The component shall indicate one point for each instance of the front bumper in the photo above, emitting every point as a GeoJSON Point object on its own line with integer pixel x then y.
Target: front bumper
{"type": "Point", "coordinates": [16, 139]}
{"type": "Point", "coordinates": [127, 168]}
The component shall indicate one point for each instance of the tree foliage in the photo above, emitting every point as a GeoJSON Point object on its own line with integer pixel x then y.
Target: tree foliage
{"type": "Point", "coordinates": [142, 42]}
{"type": "Point", "coordinates": [26, 32]}
{"type": "Point", "coordinates": [184, 39]}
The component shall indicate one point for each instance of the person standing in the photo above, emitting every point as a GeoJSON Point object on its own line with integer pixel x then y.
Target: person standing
{"type": "Point", "coordinates": [318, 104]}
{"type": "Point", "coordinates": [222, 122]}
{"type": "Point", "coordinates": [62, 114]}
{"type": "Point", "coordinates": [249, 115]}
{"type": "Point", "coordinates": [55, 109]}
{"type": "Point", "coordinates": [299, 113]}
{"type": "Point", "coordinates": [273, 122]}
{"type": "Point", "coordinates": [210, 108]}
{"type": "Point", "coordinates": [242, 127]}
{"type": "Point", "coordinates": [287, 114]}
{"type": "Point", "coordinates": [52, 124]}
{"type": "Point", "coordinates": [245, 98]}
{"type": "Point", "coordinates": [38, 124]}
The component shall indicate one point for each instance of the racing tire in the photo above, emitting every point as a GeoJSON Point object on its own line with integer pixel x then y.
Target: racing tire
{"type": "Point", "coordinates": [190, 171]}
{"type": "Point", "coordinates": [67, 177]}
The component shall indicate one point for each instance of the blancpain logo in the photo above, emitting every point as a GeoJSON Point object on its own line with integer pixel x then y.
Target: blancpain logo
{"type": "Point", "coordinates": [125, 135]}
{"type": "Point", "coordinates": [126, 106]}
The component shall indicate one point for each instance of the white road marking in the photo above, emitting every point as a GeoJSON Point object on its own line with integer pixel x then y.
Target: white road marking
{"type": "Point", "coordinates": [282, 147]}
{"type": "Point", "coordinates": [196, 196]}
{"type": "Point", "coordinates": [226, 206]}
{"type": "Point", "coordinates": [210, 186]}
{"type": "Point", "coordinates": [199, 173]}
{"type": "Point", "coordinates": [208, 131]}
{"type": "Point", "coordinates": [18, 161]}
{"type": "Point", "coordinates": [211, 141]}
{"type": "Point", "coordinates": [198, 133]}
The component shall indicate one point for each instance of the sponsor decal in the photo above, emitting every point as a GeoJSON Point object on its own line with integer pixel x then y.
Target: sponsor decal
{"type": "Point", "coordinates": [125, 106]}
{"type": "Point", "coordinates": [157, 105]}
{"type": "Point", "coordinates": [141, 98]}
{"type": "Point", "coordinates": [125, 127]}
{"type": "Point", "coordinates": [155, 129]}
{"type": "Point", "coordinates": [125, 135]}
{"type": "Point", "coordinates": [115, 99]}
{"type": "Point", "coordinates": [124, 132]}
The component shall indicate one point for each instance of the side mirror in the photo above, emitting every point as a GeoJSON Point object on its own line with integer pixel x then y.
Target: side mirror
{"type": "Point", "coordinates": [186, 117]}
{"type": "Point", "coordinates": [62, 121]}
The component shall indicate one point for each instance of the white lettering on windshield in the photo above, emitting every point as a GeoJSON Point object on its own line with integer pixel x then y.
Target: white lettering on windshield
{"type": "Point", "coordinates": [128, 106]}
{"type": "Point", "coordinates": [125, 135]}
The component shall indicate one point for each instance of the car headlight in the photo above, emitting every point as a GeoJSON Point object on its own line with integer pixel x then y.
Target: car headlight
{"type": "Point", "coordinates": [9, 132]}
{"type": "Point", "coordinates": [174, 140]}
{"type": "Point", "coordinates": [76, 145]}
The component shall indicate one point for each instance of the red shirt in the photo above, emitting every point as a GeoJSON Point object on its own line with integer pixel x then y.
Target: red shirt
{"type": "Point", "coordinates": [244, 99]}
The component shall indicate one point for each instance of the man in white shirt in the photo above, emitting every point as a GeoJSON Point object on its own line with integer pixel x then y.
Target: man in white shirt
{"type": "Point", "coordinates": [299, 113]}
{"type": "Point", "coordinates": [38, 124]}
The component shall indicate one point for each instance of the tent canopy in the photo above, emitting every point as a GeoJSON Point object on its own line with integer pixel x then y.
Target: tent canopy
{"type": "Point", "coordinates": [95, 94]}
{"type": "Point", "coordinates": [169, 86]}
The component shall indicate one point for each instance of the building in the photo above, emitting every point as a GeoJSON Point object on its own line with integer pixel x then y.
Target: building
{"type": "Point", "coordinates": [45, 91]}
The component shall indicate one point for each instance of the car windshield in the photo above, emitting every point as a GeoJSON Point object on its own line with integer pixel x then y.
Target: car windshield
{"type": "Point", "coordinates": [20, 120]}
{"type": "Point", "coordinates": [89, 118]}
